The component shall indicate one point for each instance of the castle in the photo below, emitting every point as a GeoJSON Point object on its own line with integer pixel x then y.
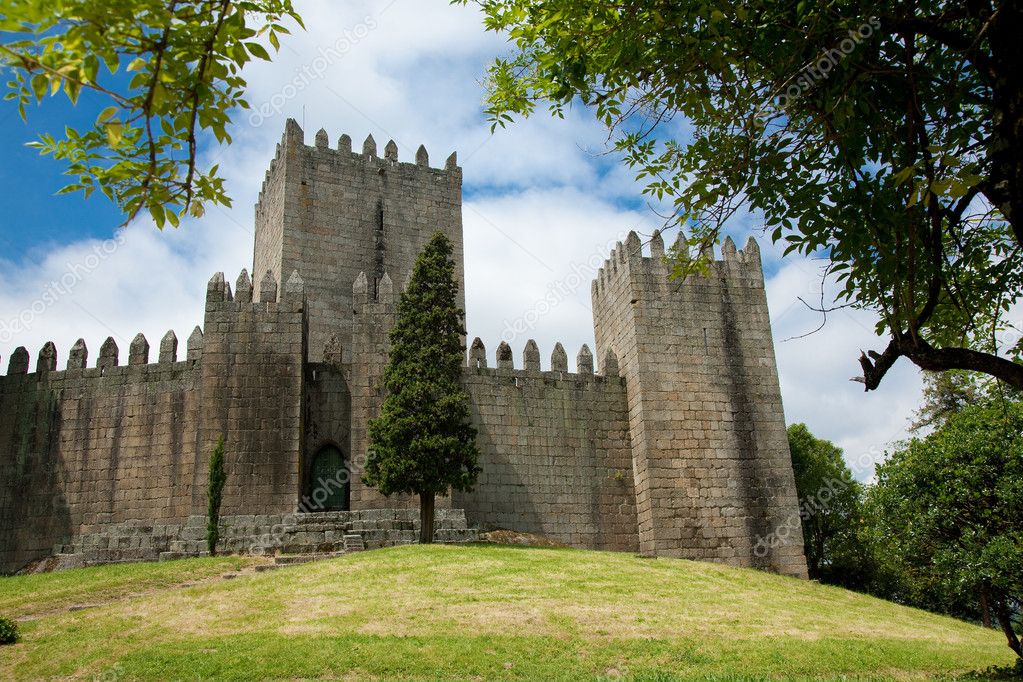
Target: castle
{"type": "Point", "coordinates": [674, 446]}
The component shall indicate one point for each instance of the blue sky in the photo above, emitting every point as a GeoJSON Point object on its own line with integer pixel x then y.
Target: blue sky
{"type": "Point", "coordinates": [541, 203]}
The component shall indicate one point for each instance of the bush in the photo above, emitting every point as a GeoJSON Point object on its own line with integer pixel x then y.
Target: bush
{"type": "Point", "coordinates": [8, 631]}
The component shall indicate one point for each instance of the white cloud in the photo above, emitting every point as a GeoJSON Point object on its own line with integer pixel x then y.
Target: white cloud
{"type": "Point", "coordinates": [541, 211]}
{"type": "Point", "coordinates": [816, 367]}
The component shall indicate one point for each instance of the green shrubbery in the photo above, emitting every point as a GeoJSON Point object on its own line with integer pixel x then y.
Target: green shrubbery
{"type": "Point", "coordinates": [214, 493]}
{"type": "Point", "coordinates": [8, 631]}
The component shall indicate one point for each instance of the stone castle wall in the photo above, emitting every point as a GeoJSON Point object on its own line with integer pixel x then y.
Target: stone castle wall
{"type": "Point", "coordinates": [555, 453]}
{"type": "Point", "coordinates": [88, 448]}
{"type": "Point", "coordinates": [712, 464]}
{"type": "Point", "coordinates": [83, 448]}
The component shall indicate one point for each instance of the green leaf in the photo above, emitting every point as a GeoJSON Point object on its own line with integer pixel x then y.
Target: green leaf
{"type": "Point", "coordinates": [258, 50]}
{"type": "Point", "coordinates": [106, 115]}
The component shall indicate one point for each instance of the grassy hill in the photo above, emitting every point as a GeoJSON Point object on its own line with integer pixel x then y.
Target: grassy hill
{"type": "Point", "coordinates": [476, 612]}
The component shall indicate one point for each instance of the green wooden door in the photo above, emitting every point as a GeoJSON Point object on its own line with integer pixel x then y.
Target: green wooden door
{"type": "Point", "coordinates": [330, 480]}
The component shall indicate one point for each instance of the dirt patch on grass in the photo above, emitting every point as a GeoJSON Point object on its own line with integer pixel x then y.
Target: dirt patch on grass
{"type": "Point", "coordinates": [136, 595]}
{"type": "Point", "coordinates": [513, 537]}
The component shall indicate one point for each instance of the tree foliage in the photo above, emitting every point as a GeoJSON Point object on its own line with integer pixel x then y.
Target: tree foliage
{"type": "Point", "coordinates": [171, 73]}
{"type": "Point", "coordinates": [885, 137]}
{"type": "Point", "coordinates": [946, 394]}
{"type": "Point", "coordinates": [829, 503]}
{"type": "Point", "coordinates": [946, 515]}
{"type": "Point", "coordinates": [214, 495]}
{"type": "Point", "coordinates": [423, 443]}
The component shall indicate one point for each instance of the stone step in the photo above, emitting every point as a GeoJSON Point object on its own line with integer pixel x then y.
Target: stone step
{"type": "Point", "coordinates": [353, 543]}
{"type": "Point", "coordinates": [295, 559]}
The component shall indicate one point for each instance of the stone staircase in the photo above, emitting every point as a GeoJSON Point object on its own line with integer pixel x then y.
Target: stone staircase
{"type": "Point", "coordinates": [293, 538]}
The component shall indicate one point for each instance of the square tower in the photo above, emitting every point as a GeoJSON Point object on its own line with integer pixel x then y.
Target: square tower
{"type": "Point", "coordinates": [332, 213]}
{"type": "Point", "coordinates": [711, 461]}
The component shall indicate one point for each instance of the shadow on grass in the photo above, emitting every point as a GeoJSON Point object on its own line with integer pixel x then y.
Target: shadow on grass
{"type": "Point", "coordinates": [997, 672]}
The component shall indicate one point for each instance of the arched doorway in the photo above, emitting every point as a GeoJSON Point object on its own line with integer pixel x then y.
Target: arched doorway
{"type": "Point", "coordinates": [330, 484]}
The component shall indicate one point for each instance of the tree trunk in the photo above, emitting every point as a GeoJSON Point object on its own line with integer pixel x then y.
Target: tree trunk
{"type": "Point", "coordinates": [426, 503]}
{"type": "Point", "coordinates": [985, 608]}
{"type": "Point", "coordinates": [1005, 619]}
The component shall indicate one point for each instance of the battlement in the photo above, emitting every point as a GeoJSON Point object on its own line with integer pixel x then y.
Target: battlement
{"type": "Point", "coordinates": [294, 139]}
{"type": "Point", "coordinates": [107, 364]}
{"type": "Point", "coordinates": [505, 363]}
{"type": "Point", "coordinates": [269, 297]}
{"type": "Point", "coordinates": [629, 259]}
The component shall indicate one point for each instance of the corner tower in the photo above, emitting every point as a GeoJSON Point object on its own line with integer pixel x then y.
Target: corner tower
{"type": "Point", "coordinates": [713, 474]}
{"type": "Point", "coordinates": [331, 213]}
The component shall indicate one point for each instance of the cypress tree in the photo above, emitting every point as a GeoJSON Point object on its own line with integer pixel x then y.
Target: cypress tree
{"type": "Point", "coordinates": [214, 492]}
{"type": "Point", "coordinates": [423, 443]}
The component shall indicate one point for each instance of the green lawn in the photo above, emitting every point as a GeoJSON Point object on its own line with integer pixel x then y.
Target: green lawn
{"type": "Point", "coordinates": [476, 612]}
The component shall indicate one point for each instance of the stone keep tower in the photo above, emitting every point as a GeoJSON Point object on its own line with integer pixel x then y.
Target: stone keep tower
{"type": "Point", "coordinates": [712, 469]}
{"type": "Point", "coordinates": [332, 214]}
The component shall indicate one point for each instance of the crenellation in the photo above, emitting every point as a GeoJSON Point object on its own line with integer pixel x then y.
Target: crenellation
{"type": "Point", "coordinates": [633, 247]}
{"type": "Point", "coordinates": [422, 157]}
{"type": "Point", "coordinates": [293, 134]}
{"type": "Point", "coordinates": [18, 364]}
{"type": "Point", "coordinates": [584, 360]}
{"type": "Point", "coordinates": [657, 246]}
{"type": "Point", "coordinates": [385, 289]}
{"type": "Point", "coordinates": [728, 252]}
{"type": "Point", "coordinates": [360, 288]}
{"type": "Point", "coordinates": [477, 354]}
{"type": "Point", "coordinates": [344, 144]}
{"type": "Point", "coordinates": [294, 289]}
{"type": "Point", "coordinates": [322, 139]}
{"type": "Point", "coordinates": [559, 358]}
{"type": "Point", "coordinates": [609, 367]}
{"type": "Point", "coordinates": [78, 356]}
{"type": "Point", "coordinates": [216, 289]}
{"type": "Point", "coordinates": [169, 348]}
{"type": "Point", "coordinates": [751, 252]}
{"type": "Point", "coordinates": [707, 251]}
{"type": "Point", "coordinates": [243, 288]}
{"type": "Point", "coordinates": [138, 351]}
{"type": "Point", "coordinates": [108, 354]}
{"type": "Point", "coordinates": [707, 338]}
{"type": "Point", "coordinates": [47, 360]}
{"type": "Point", "coordinates": [531, 356]}
{"type": "Point", "coordinates": [193, 350]}
{"type": "Point", "coordinates": [391, 151]}
{"type": "Point", "coordinates": [504, 356]}
{"type": "Point", "coordinates": [268, 288]}
{"type": "Point", "coordinates": [369, 147]}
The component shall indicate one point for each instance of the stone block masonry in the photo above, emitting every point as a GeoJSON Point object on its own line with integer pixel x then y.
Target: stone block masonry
{"type": "Point", "coordinates": [331, 213]}
{"type": "Point", "coordinates": [712, 467]}
{"type": "Point", "coordinates": [555, 451]}
{"type": "Point", "coordinates": [84, 448]}
{"type": "Point", "coordinates": [675, 447]}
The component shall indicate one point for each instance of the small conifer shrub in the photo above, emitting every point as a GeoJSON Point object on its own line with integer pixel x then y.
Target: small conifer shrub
{"type": "Point", "coordinates": [8, 631]}
{"type": "Point", "coordinates": [214, 492]}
